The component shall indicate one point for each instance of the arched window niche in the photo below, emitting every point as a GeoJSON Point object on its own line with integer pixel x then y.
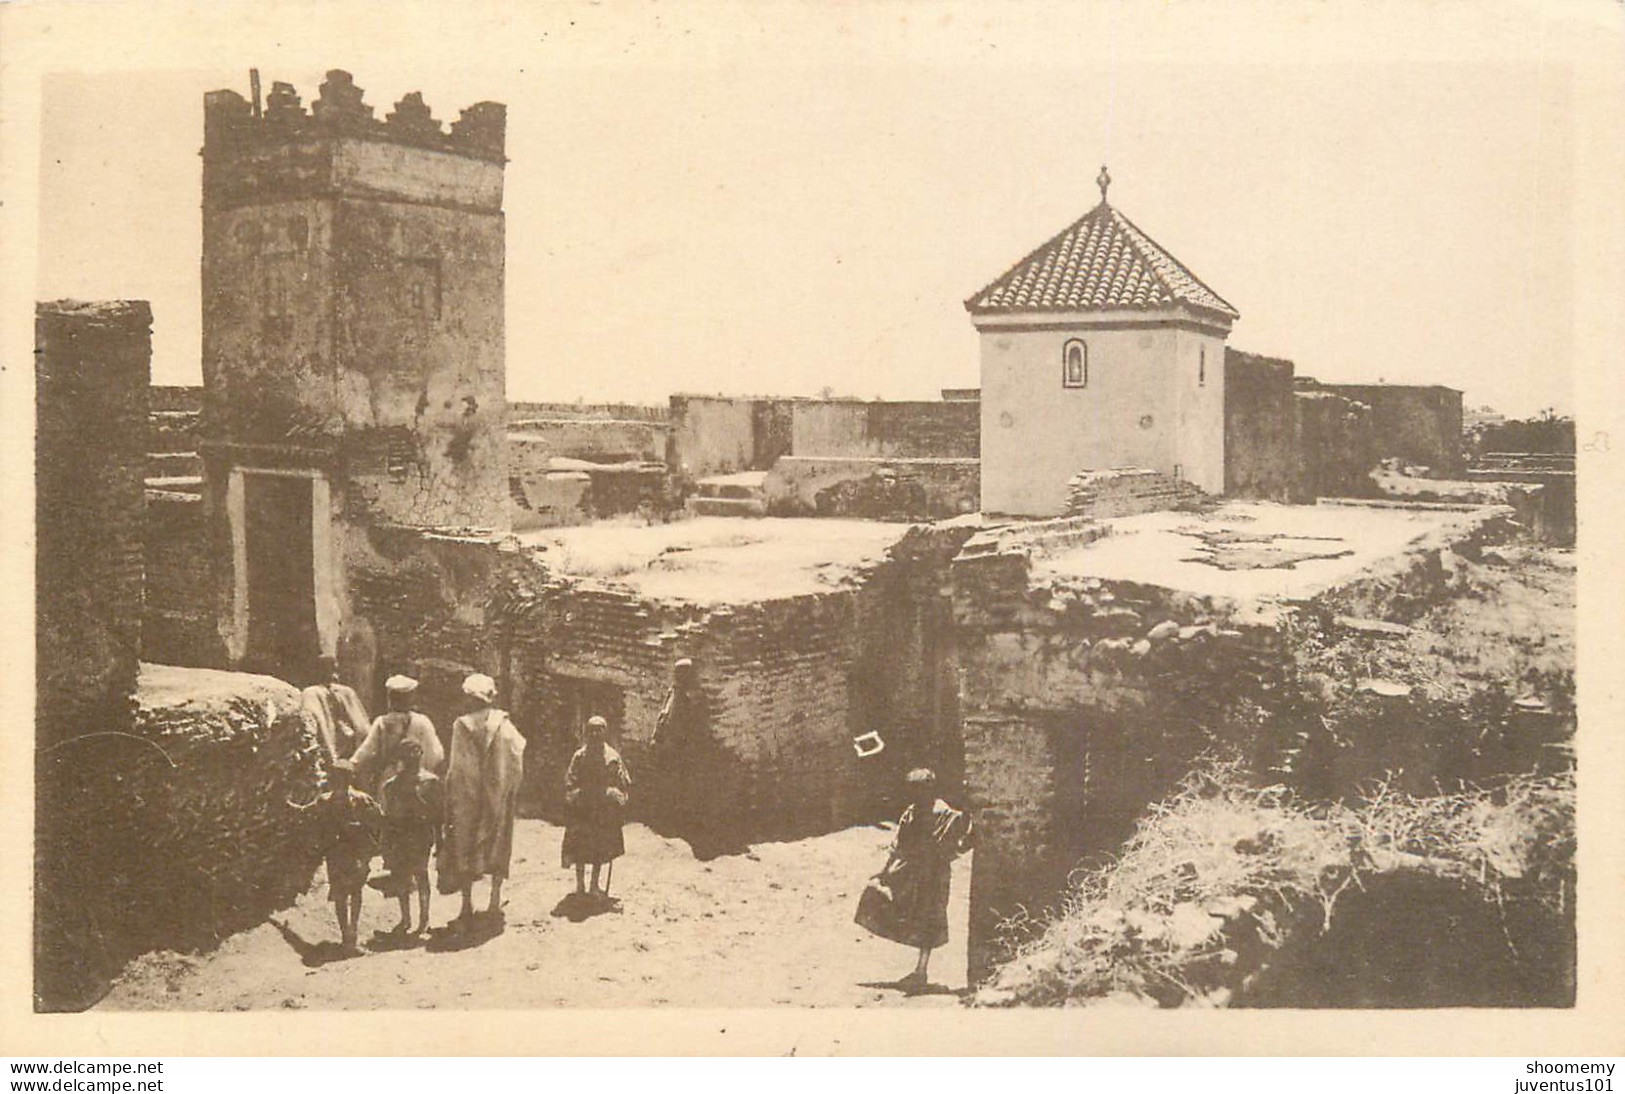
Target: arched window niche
{"type": "Point", "coordinates": [1075, 363]}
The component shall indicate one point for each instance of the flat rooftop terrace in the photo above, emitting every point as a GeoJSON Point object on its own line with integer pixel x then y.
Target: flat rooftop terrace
{"type": "Point", "coordinates": [718, 560]}
{"type": "Point", "coordinates": [1259, 551]}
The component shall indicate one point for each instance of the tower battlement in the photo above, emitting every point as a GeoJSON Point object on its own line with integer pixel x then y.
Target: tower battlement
{"type": "Point", "coordinates": [231, 124]}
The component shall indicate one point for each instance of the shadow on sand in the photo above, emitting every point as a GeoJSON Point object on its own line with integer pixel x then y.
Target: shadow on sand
{"type": "Point", "coordinates": [312, 954]}
{"type": "Point", "coordinates": [465, 934]}
{"type": "Point", "coordinates": [388, 941]}
{"type": "Point", "coordinates": [909, 986]}
{"type": "Point", "coordinates": [580, 907]}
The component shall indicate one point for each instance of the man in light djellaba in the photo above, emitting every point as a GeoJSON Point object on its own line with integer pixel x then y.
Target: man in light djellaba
{"type": "Point", "coordinates": [482, 794]}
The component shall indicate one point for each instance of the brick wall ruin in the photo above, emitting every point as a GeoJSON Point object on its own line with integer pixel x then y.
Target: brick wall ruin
{"type": "Point", "coordinates": [784, 684]}
{"type": "Point", "coordinates": [1419, 424]}
{"type": "Point", "coordinates": [547, 489]}
{"type": "Point", "coordinates": [713, 435]}
{"type": "Point", "coordinates": [1124, 491]}
{"type": "Point", "coordinates": [92, 366]}
{"type": "Point", "coordinates": [1338, 448]}
{"type": "Point", "coordinates": [873, 488]}
{"type": "Point", "coordinates": [836, 427]}
{"type": "Point", "coordinates": [1084, 700]}
{"type": "Point", "coordinates": [172, 837]}
{"type": "Point", "coordinates": [178, 620]}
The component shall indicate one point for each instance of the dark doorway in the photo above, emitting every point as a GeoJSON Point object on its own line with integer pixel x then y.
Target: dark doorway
{"type": "Point", "coordinates": [550, 711]}
{"type": "Point", "coordinates": [282, 636]}
{"type": "Point", "coordinates": [582, 699]}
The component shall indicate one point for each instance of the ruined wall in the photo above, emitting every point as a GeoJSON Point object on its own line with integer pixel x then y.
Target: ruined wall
{"type": "Point", "coordinates": [1420, 424]}
{"type": "Point", "coordinates": [885, 429]}
{"type": "Point", "coordinates": [1261, 443]}
{"type": "Point", "coordinates": [1085, 700]}
{"type": "Point", "coordinates": [785, 684]}
{"type": "Point", "coordinates": [601, 440]}
{"type": "Point", "coordinates": [547, 490]}
{"type": "Point", "coordinates": [1337, 446]}
{"type": "Point", "coordinates": [719, 435]}
{"type": "Point", "coordinates": [1556, 518]}
{"type": "Point", "coordinates": [178, 618]}
{"type": "Point", "coordinates": [711, 436]}
{"type": "Point", "coordinates": [1099, 495]}
{"type": "Point", "coordinates": [173, 837]}
{"type": "Point", "coordinates": [1082, 702]}
{"type": "Point", "coordinates": [92, 366]}
{"type": "Point", "coordinates": [872, 488]}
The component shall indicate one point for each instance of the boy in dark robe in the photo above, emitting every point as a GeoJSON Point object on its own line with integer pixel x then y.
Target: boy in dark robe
{"type": "Point", "coordinates": [348, 824]}
{"type": "Point", "coordinates": [413, 808]}
{"type": "Point", "coordinates": [596, 787]}
{"type": "Point", "coordinates": [907, 901]}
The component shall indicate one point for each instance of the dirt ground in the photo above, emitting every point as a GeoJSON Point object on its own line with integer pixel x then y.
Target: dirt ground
{"type": "Point", "coordinates": [769, 928]}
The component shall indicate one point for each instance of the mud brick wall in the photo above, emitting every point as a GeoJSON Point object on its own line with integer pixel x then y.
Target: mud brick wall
{"type": "Point", "coordinates": [1554, 515]}
{"type": "Point", "coordinates": [1083, 702]}
{"type": "Point", "coordinates": [906, 676]}
{"type": "Point", "coordinates": [1337, 446]}
{"type": "Point", "coordinates": [175, 837]}
{"type": "Point", "coordinates": [1125, 491]}
{"type": "Point", "coordinates": [1260, 429]}
{"type": "Point", "coordinates": [711, 436]}
{"type": "Point", "coordinates": [1012, 764]}
{"type": "Point", "coordinates": [885, 429]}
{"type": "Point", "coordinates": [784, 684]}
{"type": "Point", "coordinates": [423, 604]}
{"type": "Point", "coordinates": [92, 367]}
{"type": "Point", "coordinates": [781, 696]}
{"type": "Point", "coordinates": [777, 683]}
{"type": "Point", "coordinates": [1418, 424]}
{"type": "Point", "coordinates": [602, 440]}
{"type": "Point", "coordinates": [873, 489]}
{"type": "Point", "coordinates": [178, 620]}
{"type": "Point", "coordinates": [548, 489]}
{"type": "Point", "coordinates": [715, 435]}
{"type": "Point", "coordinates": [541, 497]}
{"type": "Point", "coordinates": [521, 410]}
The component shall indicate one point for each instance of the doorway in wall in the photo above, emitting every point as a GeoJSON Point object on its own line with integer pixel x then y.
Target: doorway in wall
{"type": "Point", "coordinates": [283, 639]}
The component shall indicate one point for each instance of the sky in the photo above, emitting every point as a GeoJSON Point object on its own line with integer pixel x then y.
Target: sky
{"type": "Point", "coordinates": [702, 201]}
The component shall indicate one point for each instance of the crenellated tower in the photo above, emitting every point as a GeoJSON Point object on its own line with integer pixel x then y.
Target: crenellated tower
{"type": "Point", "coordinates": [353, 357]}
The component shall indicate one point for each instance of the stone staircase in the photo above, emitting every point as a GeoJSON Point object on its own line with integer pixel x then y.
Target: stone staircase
{"type": "Point", "coordinates": [740, 494]}
{"type": "Point", "coordinates": [1126, 491]}
{"type": "Point", "coordinates": [173, 464]}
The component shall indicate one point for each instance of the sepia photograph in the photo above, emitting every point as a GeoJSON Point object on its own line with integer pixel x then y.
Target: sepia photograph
{"type": "Point", "coordinates": [938, 508]}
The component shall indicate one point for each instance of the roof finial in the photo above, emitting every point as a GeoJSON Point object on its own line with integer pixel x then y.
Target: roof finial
{"type": "Point", "coordinates": [1104, 180]}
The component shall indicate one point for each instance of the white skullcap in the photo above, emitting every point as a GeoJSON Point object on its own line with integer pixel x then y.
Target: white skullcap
{"type": "Point", "coordinates": [481, 687]}
{"type": "Point", "coordinates": [400, 684]}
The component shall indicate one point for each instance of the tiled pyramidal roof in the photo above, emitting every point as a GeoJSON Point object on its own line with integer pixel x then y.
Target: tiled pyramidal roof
{"type": "Point", "coordinates": [1101, 262]}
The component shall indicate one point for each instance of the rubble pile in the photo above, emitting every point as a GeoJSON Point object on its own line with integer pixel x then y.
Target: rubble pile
{"type": "Point", "coordinates": [175, 834]}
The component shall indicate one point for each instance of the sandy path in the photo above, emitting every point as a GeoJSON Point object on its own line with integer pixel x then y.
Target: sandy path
{"type": "Point", "coordinates": [772, 927]}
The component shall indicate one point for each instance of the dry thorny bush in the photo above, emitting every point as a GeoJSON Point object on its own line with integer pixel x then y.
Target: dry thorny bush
{"type": "Point", "coordinates": [1151, 925]}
